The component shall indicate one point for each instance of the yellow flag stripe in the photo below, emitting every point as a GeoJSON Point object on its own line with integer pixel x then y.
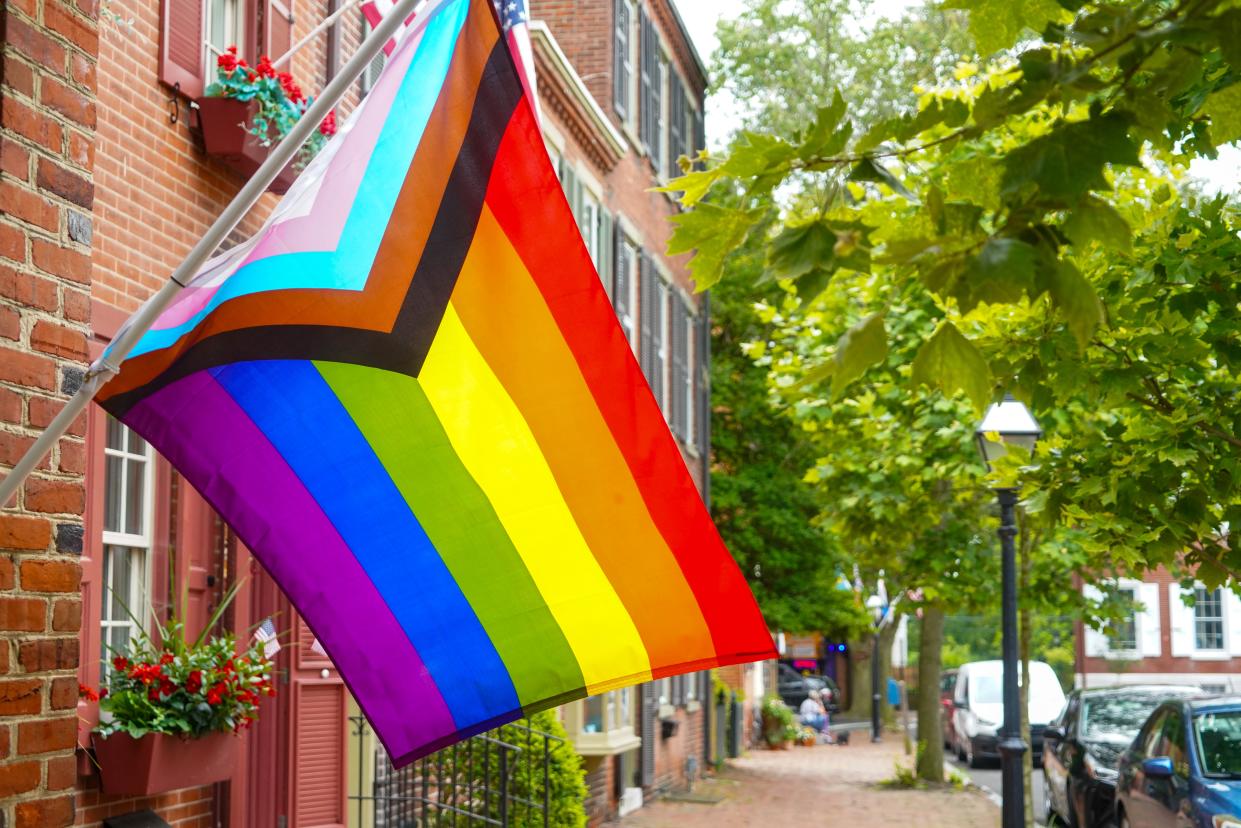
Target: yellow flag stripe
{"type": "Point", "coordinates": [495, 443]}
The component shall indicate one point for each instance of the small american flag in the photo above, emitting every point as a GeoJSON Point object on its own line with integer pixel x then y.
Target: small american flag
{"type": "Point", "coordinates": [266, 635]}
{"type": "Point", "coordinates": [374, 11]}
{"type": "Point", "coordinates": [516, 22]}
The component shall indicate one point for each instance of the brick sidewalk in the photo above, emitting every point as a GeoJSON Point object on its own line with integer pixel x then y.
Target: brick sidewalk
{"type": "Point", "coordinates": [818, 786]}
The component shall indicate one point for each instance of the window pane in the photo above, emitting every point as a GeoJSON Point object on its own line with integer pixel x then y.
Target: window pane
{"type": "Point", "coordinates": [119, 589]}
{"type": "Point", "coordinates": [1208, 619]}
{"type": "Point", "coordinates": [134, 495]}
{"type": "Point", "coordinates": [136, 444]}
{"type": "Point", "coordinates": [593, 721]}
{"type": "Point", "coordinates": [116, 434]}
{"type": "Point", "coordinates": [112, 480]}
{"type": "Point", "coordinates": [118, 641]}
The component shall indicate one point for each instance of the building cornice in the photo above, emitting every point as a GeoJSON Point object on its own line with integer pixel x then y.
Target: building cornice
{"type": "Point", "coordinates": [562, 91]}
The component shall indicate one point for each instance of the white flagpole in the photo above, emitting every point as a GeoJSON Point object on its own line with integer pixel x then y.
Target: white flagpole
{"type": "Point", "coordinates": [327, 21]}
{"type": "Point", "coordinates": [141, 321]}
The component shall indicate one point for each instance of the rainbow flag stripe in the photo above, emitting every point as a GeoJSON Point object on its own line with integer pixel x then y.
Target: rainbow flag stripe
{"type": "Point", "coordinates": [409, 396]}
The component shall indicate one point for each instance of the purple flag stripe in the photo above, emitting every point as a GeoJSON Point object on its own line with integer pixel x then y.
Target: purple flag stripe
{"type": "Point", "coordinates": [202, 431]}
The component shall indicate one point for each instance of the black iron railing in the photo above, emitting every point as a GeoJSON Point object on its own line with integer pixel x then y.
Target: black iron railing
{"type": "Point", "coordinates": [502, 777]}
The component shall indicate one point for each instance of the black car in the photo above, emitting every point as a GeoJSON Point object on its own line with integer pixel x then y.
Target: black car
{"type": "Point", "coordinates": [794, 687]}
{"type": "Point", "coordinates": [1083, 747]}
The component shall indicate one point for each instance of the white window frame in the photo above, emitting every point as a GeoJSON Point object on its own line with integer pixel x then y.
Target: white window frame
{"type": "Point", "coordinates": [1134, 589]}
{"type": "Point", "coordinates": [619, 709]}
{"type": "Point", "coordinates": [234, 17]}
{"type": "Point", "coordinates": [634, 47]}
{"type": "Point", "coordinates": [664, 293]}
{"type": "Point", "coordinates": [592, 210]}
{"type": "Point", "coordinates": [691, 379]}
{"type": "Point", "coordinates": [136, 545]}
{"type": "Point", "coordinates": [1222, 651]}
{"type": "Point", "coordinates": [629, 322]}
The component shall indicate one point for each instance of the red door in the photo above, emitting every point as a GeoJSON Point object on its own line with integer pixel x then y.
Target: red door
{"type": "Point", "coordinates": [298, 754]}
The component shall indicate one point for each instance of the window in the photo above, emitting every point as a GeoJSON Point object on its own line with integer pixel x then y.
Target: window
{"type": "Point", "coordinates": [1208, 619]}
{"type": "Point", "coordinates": [691, 687]}
{"type": "Point", "coordinates": [622, 64]}
{"type": "Point", "coordinates": [128, 484]}
{"type": "Point", "coordinates": [664, 686]}
{"type": "Point", "coordinates": [624, 288]}
{"type": "Point", "coordinates": [603, 725]}
{"type": "Point", "coordinates": [223, 29]}
{"type": "Point", "coordinates": [591, 221]}
{"type": "Point", "coordinates": [371, 73]}
{"type": "Point", "coordinates": [1122, 636]}
{"type": "Point", "coordinates": [652, 79]}
{"type": "Point", "coordinates": [682, 409]}
{"type": "Point", "coordinates": [659, 377]}
{"type": "Point", "coordinates": [660, 148]}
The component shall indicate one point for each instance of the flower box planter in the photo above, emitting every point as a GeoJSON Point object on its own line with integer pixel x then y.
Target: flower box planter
{"type": "Point", "coordinates": [227, 139]}
{"type": "Point", "coordinates": [157, 762]}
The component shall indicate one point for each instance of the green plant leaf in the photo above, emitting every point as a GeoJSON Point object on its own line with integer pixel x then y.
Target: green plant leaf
{"type": "Point", "coordinates": [870, 170]}
{"type": "Point", "coordinates": [1075, 297]}
{"type": "Point", "coordinates": [1002, 272]}
{"type": "Point", "coordinates": [827, 136]}
{"type": "Point", "coordinates": [997, 24]}
{"type": "Point", "coordinates": [800, 249]}
{"type": "Point", "coordinates": [1224, 107]}
{"type": "Point", "coordinates": [950, 362]}
{"type": "Point", "coordinates": [1068, 162]}
{"type": "Point", "coordinates": [863, 345]}
{"type": "Point", "coordinates": [1094, 220]}
{"type": "Point", "coordinates": [693, 186]}
{"type": "Point", "coordinates": [713, 232]}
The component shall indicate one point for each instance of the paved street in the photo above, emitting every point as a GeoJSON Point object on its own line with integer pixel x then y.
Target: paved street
{"type": "Point", "coordinates": [817, 786]}
{"type": "Point", "coordinates": [988, 779]}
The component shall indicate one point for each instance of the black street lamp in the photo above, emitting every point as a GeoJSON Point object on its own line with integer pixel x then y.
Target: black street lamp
{"type": "Point", "coordinates": [1009, 423]}
{"type": "Point", "coordinates": [875, 604]}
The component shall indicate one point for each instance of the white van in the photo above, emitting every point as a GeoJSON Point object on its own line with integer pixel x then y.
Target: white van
{"type": "Point", "coordinates": [978, 708]}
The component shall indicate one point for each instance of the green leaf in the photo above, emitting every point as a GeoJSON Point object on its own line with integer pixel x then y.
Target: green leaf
{"type": "Point", "coordinates": [997, 24]}
{"type": "Point", "coordinates": [1094, 220]}
{"type": "Point", "coordinates": [1076, 299]}
{"type": "Point", "coordinates": [869, 170]}
{"type": "Point", "coordinates": [824, 138]}
{"type": "Point", "coordinates": [1002, 272]}
{"type": "Point", "coordinates": [712, 231]}
{"type": "Point", "coordinates": [863, 345]}
{"type": "Point", "coordinates": [1224, 107]}
{"type": "Point", "coordinates": [1068, 162]}
{"type": "Point", "coordinates": [950, 362]}
{"type": "Point", "coordinates": [757, 154]}
{"type": "Point", "coordinates": [800, 249]}
{"type": "Point", "coordinates": [693, 186]}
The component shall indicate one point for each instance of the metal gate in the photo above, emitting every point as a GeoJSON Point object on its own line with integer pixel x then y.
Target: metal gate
{"type": "Point", "coordinates": [501, 777]}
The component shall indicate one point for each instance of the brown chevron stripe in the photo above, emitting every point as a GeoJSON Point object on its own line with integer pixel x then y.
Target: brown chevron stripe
{"type": "Point", "coordinates": [426, 294]}
{"type": "Point", "coordinates": [375, 307]}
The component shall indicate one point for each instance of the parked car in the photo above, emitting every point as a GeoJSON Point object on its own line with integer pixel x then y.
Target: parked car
{"type": "Point", "coordinates": [1084, 743]}
{"type": "Point", "coordinates": [1183, 768]}
{"type": "Point", "coordinates": [794, 686]}
{"type": "Point", "coordinates": [978, 709]}
{"type": "Point", "coordinates": [947, 685]}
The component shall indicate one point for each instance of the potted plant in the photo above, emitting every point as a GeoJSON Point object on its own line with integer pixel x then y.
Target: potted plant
{"type": "Point", "coordinates": [779, 726]}
{"type": "Point", "coordinates": [247, 110]}
{"type": "Point", "coordinates": [170, 709]}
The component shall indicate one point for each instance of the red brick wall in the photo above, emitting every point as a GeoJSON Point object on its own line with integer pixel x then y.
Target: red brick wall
{"type": "Point", "coordinates": [47, 122]}
{"type": "Point", "coordinates": [190, 808]}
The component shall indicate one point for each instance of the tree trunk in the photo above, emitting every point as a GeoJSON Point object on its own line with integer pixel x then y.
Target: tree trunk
{"type": "Point", "coordinates": [859, 677]}
{"type": "Point", "coordinates": [930, 728]}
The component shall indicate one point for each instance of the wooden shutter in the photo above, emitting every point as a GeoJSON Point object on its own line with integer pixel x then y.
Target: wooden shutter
{"type": "Point", "coordinates": [278, 27]}
{"type": "Point", "coordinates": [649, 717]}
{"type": "Point", "coordinates": [621, 267]}
{"type": "Point", "coordinates": [700, 132]}
{"type": "Point", "coordinates": [317, 734]}
{"type": "Point", "coordinates": [649, 78]}
{"type": "Point", "coordinates": [607, 249]}
{"type": "Point", "coordinates": [659, 321]}
{"type": "Point", "coordinates": [572, 186]}
{"type": "Point", "coordinates": [1182, 618]}
{"type": "Point", "coordinates": [622, 69]}
{"type": "Point", "coordinates": [676, 121]}
{"type": "Point", "coordinates": [1150, 638]}
{"type": "Point", "coordinates": [196, 543]}
{"type": "Point", "coordinates": [646, 323]}
{"type": "Point", "coordinates": [181, 46]}
{"type": "Point", "coordinates": [679, 408]}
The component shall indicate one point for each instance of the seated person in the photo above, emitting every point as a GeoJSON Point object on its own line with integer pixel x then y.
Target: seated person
{"type": "Point", "coordinates": [813, 713]}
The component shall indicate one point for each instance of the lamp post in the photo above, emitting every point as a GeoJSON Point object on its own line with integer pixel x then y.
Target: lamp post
{"type": "Point", "coordinates": [875, 604]}
{"type": "Point", "coordinates": [1009, 423]}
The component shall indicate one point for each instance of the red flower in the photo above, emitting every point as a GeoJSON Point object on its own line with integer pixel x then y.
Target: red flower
{"type": "Point", "coordinates": [194, 681]}
{"type": "Point", "coordinates": [328, 127]}
{"type": "Point", "coordinates": [216, 694]}
{"type": "Point", "coordinates": [153, 694]}
{"type": "Point", "coordinates": [167, 687]}
{"type": "Point", "coordinates": [264, 68]}
{"type": "Point", "coordinates": [291, 90]}
{"type": "Point", "coordinates": [166, 658]}
{"type": "Point", "coordinates": [87, 693]}
{"type": "Point", "coordinates": [120, 664]}
{"type": "Point", "coordinates": [103, 692]}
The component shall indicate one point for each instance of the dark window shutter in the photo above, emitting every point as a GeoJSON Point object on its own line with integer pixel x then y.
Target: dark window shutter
{"type": "Point", "coordinates": [646, 326]}
{"type": "Point", "coordinates": [620, 275]}
{"type": "Point", "coordinates": [278, 27]}
{"type": "Point", "coordinates": [678, 410]}
{"type": "Point", "coordinates": [657, 103]}
{"type": "Point", "coordinates": [650, 714]}
{"type": "Point", "coordinates": [650, 78]}
{"type": "Point", "coordinates": [700, 132]}
{"type": "Point", "coordinates": [572, 189]}
{"type": "Point", "coordinates": [606, 248]}
{"type": "Point", "coordinates": [181, 46]}
{"type": "Point", "coordinates": [621, 68]}
{"type": "Point", "coordinates": [676, 122]}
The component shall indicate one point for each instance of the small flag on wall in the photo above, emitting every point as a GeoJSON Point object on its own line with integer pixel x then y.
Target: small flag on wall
{"type": "Point", "coordinates": [410, 397]}
{"type": "Point", "coordinates": [265, 634]}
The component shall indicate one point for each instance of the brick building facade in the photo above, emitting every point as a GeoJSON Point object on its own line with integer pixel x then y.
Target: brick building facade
{"type": "Point", "coordinates": [104, 186]}
{"type": "Point", "coordinates": [1166, 639]}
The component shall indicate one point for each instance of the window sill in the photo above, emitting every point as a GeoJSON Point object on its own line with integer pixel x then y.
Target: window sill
{"type": "Point", "coordinates": [1211, 655]}
{"type": "Point", "coordinates": [1122, 655]}
{"type": "Point", "coordinates": [693, 706]}
{"type": "Point", "coordinates": [608, 743]}
{"type": "Point", "coordinates": [667, 711]}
